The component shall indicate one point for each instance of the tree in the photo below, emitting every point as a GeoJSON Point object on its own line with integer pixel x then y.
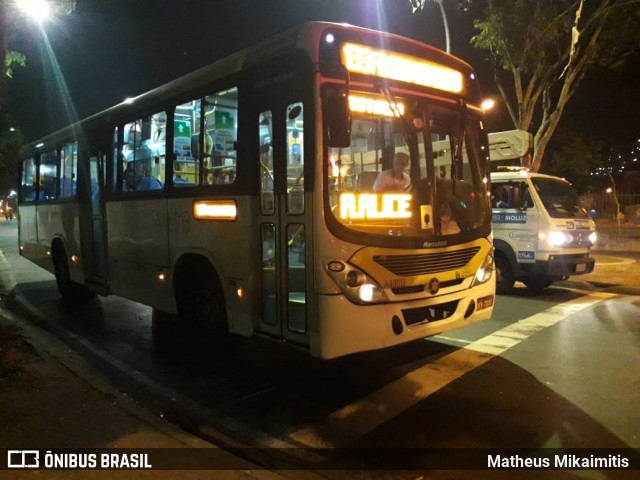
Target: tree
{"type": "Point", "coordinates": [542, 49]}
{"type": "Point", "coordinates": [572, 156]}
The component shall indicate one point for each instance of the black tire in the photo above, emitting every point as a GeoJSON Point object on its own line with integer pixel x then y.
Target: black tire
{"type": "Point", "coordinates": [504, 276]}
{"type": "Point", "coordinates": [72, 293]}
{"type": "Point", "coordinates": [165, 330]}
{"type": "Point", "coordinates": [205, 310]}
{"type": "Point", "coordinates": [538, 284]}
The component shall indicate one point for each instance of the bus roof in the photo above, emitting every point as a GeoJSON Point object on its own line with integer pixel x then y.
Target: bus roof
{"type": "Point", "coordinates": [304, 37]}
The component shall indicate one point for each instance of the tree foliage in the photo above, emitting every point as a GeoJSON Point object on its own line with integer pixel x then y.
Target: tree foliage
{"type": "Point", "coordinates": [542, 49]}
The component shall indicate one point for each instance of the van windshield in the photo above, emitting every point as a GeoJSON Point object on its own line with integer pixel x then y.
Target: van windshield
{"type": "Point", "coordinates": [559, 198]}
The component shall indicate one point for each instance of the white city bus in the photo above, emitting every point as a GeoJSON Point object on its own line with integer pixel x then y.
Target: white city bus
{"type": "Point", "coordinates": [240, 197]}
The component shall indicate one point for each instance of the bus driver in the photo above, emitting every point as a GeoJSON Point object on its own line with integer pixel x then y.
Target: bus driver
{"type": "Point", "coordinates": [394, 179]}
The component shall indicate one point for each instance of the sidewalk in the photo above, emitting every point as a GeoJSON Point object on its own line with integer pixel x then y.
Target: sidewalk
{"type": "Point", "coordinates": [51, 398]}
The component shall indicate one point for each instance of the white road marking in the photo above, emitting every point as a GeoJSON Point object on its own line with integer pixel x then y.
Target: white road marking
{"type": "Point", "coordinates": [368, 413]}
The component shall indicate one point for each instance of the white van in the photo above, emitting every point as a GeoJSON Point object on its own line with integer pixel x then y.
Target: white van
{"type": "Point", "coordinates": [541, 234]}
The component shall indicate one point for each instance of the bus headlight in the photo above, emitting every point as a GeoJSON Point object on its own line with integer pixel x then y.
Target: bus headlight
{"type": "Point", "coordinates": [356, 285]}
{"type": "Point", "coordinates": [593, 237]}
{"type": "Point", "coordinates": [485, 272]}
{"type": "Point", "coordinates": [369, 293]}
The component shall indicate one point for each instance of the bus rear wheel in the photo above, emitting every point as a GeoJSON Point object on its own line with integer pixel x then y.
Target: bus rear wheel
{"type": "Point", "coordinates": [72, 293]}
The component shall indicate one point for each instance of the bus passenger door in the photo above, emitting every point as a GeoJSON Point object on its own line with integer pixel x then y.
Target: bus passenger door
{"type": "Point", "coordinates": [284, 224]}
{"type": "Point", "coordinates": [92, 221]}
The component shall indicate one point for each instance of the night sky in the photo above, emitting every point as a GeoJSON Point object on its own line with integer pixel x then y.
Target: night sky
{"type": "Point", "coordinates": [108, 50]}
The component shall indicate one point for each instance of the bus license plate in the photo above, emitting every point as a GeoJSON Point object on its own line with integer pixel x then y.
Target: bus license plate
{"type": "Point", "coordinates": [581, 267]}
{"type": "Point", "coordinates": [485, 302]}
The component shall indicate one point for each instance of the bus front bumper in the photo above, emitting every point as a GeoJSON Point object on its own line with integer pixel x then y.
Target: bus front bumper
{"type": "Point", "coordinates": [347, 328]}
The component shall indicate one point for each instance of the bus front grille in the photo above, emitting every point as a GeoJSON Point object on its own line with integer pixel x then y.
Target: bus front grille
{"type": "Point", "coordinates": [428, 263]}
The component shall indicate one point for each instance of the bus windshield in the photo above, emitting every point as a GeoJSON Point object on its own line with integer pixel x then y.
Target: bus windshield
{"type": "Point", "coordinates": [413, 169]}
{"type": "Point", "coordinates": [559, 198]}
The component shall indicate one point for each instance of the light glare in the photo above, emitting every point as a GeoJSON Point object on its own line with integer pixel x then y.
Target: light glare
{"type": "Point", "coordinates": [39, 10]}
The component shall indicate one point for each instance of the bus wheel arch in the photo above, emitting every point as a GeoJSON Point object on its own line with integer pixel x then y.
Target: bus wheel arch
{"type": "Point", "coordinates": [199, 294]}
{"type": "Point", "coordinates": [72, 292]}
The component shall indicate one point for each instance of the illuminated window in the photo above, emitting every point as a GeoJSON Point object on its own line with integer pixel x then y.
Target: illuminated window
{"type": "Point", "coordinates": [204, 143]}
{"type": "Point", "coordinates": [68, 170]}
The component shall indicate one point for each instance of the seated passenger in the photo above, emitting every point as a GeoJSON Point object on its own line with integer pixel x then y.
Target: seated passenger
{"type": "Point", "coordinates": [500, 197]}
{"type": "Point", "coordinates": [394, 179]}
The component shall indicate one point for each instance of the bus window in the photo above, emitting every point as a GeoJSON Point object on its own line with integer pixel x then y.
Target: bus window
{"type": "Point", "coordinates": [220, 136]}
{"type": "Point", "coordinates": [295, 159]}
{"type": "Point", "coordinates": [48, 175]}
{"type": "Point", "coordinates": [186, 144]}
{"type": "Point", "coordinates": [68, 170]}
{"type": "Point", "coordinates": [204, 140]}
{"type": "Point", "coordinates": [28, 181]}
{"type": "Point", "coordinates": [265, 133]}
{"type": "Point", "coordinates": [144, 153]}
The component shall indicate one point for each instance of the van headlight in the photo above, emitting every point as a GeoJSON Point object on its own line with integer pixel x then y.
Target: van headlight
{"type": "Point", "coordinates": [355, 284]}
{"type": "Point", "coordinates": [485, 272]}
{"type": "Point", "coordinates": [593, 237]}
{"type": "Point", "coordinates": [556, 238]}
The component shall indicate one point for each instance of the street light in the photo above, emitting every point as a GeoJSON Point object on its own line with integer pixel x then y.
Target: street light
{"type": "Point", "coordinates": [415, 4]}
{"type": "Point", "coordinates": [39, 10]}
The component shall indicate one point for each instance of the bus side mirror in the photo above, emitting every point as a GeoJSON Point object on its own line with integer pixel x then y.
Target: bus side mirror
{"type": "Point", "coordinates": [337, 118]}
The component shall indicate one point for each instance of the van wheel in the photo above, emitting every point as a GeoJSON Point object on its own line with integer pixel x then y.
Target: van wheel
{"type": "Point", "coordinates": [72, 293]}
{"type": "Point", "coordinates": [537, 284]}
{"type": "Point", "coordinates": [504, 276]}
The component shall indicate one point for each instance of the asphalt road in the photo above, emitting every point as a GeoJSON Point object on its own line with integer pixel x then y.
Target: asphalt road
{"type": "Point", "coordinates": [552, 370]}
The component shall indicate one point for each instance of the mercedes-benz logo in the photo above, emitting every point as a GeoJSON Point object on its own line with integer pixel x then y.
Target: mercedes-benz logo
{"type": "Point", "coordinates": [433, 286]}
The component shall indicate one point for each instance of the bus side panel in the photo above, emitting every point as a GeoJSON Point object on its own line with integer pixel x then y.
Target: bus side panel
{"type": "Point", "coordinates": [60, 220]}
{"type": "Point", "coordinates": [28, 232]}
{"type": "Point", "coordinates": [138, 250]}
{"type": "Point", "coordinates": [232, 248]}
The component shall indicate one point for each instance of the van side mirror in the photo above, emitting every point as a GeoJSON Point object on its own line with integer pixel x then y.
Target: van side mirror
{"type": "Point", "coordinates": [337, 118]}
{"type": "Point", "coordinates": [516, 200]}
